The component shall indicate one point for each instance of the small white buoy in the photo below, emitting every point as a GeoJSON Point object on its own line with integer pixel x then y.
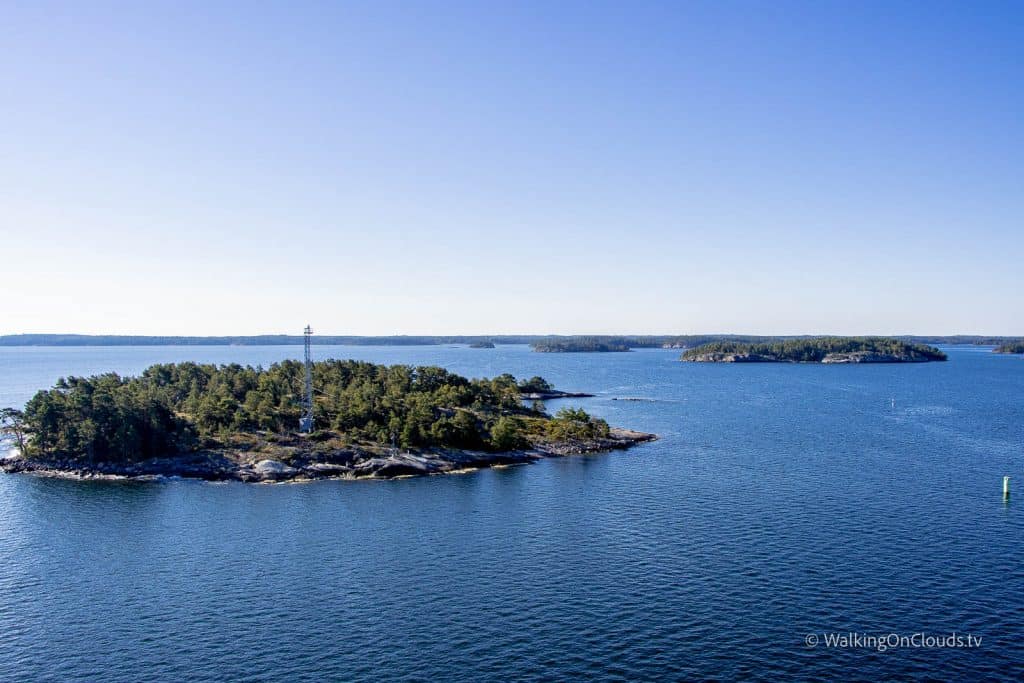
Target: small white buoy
{"type": "Point", "coordinates": [1006, 487]}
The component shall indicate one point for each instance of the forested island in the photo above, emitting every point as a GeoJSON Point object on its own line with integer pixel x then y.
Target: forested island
{"type": "Point", "coordinates": [238, 422]}
{"type": "Point", "coordinates": [816, 350]}
{"type": "Point", "coordinates": [482, 345]}
{"type": "Point", "coordinates": [580, 345]}
{"type": "Point", "coordinates": [1012, 347]}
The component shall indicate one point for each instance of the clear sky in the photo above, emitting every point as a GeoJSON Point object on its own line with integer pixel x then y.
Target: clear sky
{"type": "Point", "coordinates": [508, 167]}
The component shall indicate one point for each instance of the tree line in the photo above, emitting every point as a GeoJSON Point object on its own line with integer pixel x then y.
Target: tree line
{"type": "Point", "coordinates": [631, 341]}
{"type": "Point", "coordinates": [811, 350]}
{"type": "Point", "coordinates": [1012, 347]}
{"type": "Point", "coordinates": [580, 344]}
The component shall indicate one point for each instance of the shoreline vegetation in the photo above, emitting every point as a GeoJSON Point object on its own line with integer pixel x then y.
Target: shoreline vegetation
{"type": "Point", "coordinates": [581, 345]}
{"type": "Point", "coordinates": [234, 422]}
{"type": "Point", "coordinates": [546, 342]}
{"type": "Point", "coordinates": [1010, 347]}
{"type": "Point", "coordinates": [828, 350]}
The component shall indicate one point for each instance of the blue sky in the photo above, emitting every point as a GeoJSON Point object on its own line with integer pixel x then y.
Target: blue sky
{"type": "Point", "coordinates": [421, 168]}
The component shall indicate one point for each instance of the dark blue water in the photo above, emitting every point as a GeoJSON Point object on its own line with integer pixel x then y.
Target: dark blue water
{"type": "Point", "coordinates": [781, 501]}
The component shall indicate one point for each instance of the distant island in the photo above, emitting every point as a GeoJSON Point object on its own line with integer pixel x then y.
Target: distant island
{"type": "Point", "coordinates": [1012, 347]}
{"type": "Point", "coordinates": [580, 345]}
{"type": "Point", "coordinates": [238, 422]}
{"type": "Point", "coordinates": [816, 350]}
{"type": "Point", "coordinates": [548, 342]}
{"type": "Point", "coordinates": [482, 345]}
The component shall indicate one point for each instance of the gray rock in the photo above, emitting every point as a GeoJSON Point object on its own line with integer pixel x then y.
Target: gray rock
{"type": "Point", "coordinates": [273, 469]}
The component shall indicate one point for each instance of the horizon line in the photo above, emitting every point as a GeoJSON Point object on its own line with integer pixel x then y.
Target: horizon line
{"type": "Point", "coordinates": [505, 334]}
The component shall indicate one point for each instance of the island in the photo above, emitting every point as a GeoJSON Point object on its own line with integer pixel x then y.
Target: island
{"type": "Point", "coordinates": [816, 350]}
{"type": "Point", "coordinates": [580, 345]}
{"type": "Point", "coordinates": [482, 345]}
{"type": "Point", "coordinates": [234, 422]}
{"type": "Point", "coordinates": [1010, 347]}
{"type": "Point", "coordinates": [539, 389]}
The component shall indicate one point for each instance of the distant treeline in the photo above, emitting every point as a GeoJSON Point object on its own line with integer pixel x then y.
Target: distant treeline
{"type": "Point", "coordinates": [630, 341]}
{"type": "Point", "coordinates": [544, 342]}
{"type": "Point", "coordinates": [961, 340]}
{"type": "Point", "coordinates": [256, 340]}
{"type": "Point", "coordinates": [580, 344]}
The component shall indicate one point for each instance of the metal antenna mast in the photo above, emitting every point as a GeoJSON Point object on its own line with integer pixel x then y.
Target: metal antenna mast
{"type": "Point", "coordinates": [306, 422]}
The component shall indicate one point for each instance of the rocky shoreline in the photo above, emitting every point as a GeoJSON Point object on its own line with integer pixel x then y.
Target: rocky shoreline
{"type": "Point", "coordinates": [551, 395]}
{"type": "Point", "coordinates": [298, 461]}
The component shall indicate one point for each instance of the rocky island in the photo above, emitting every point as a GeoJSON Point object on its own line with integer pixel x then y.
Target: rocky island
{"type": "Point", "coordinates": [1010, 347]}
{"type": "Point", "coordinates": [539, 389]}
{"type": "Point", "coordinates": [816, 350]}
{"type": "Point", "coordinates": [234, 422]}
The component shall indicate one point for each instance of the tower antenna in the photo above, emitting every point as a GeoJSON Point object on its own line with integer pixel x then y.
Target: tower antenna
{"type": "Point", "coordinates": [306, 421]}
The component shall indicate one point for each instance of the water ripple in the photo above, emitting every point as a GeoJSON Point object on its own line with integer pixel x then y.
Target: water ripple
{"type": "Point", "coordinates": [780, 501]}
